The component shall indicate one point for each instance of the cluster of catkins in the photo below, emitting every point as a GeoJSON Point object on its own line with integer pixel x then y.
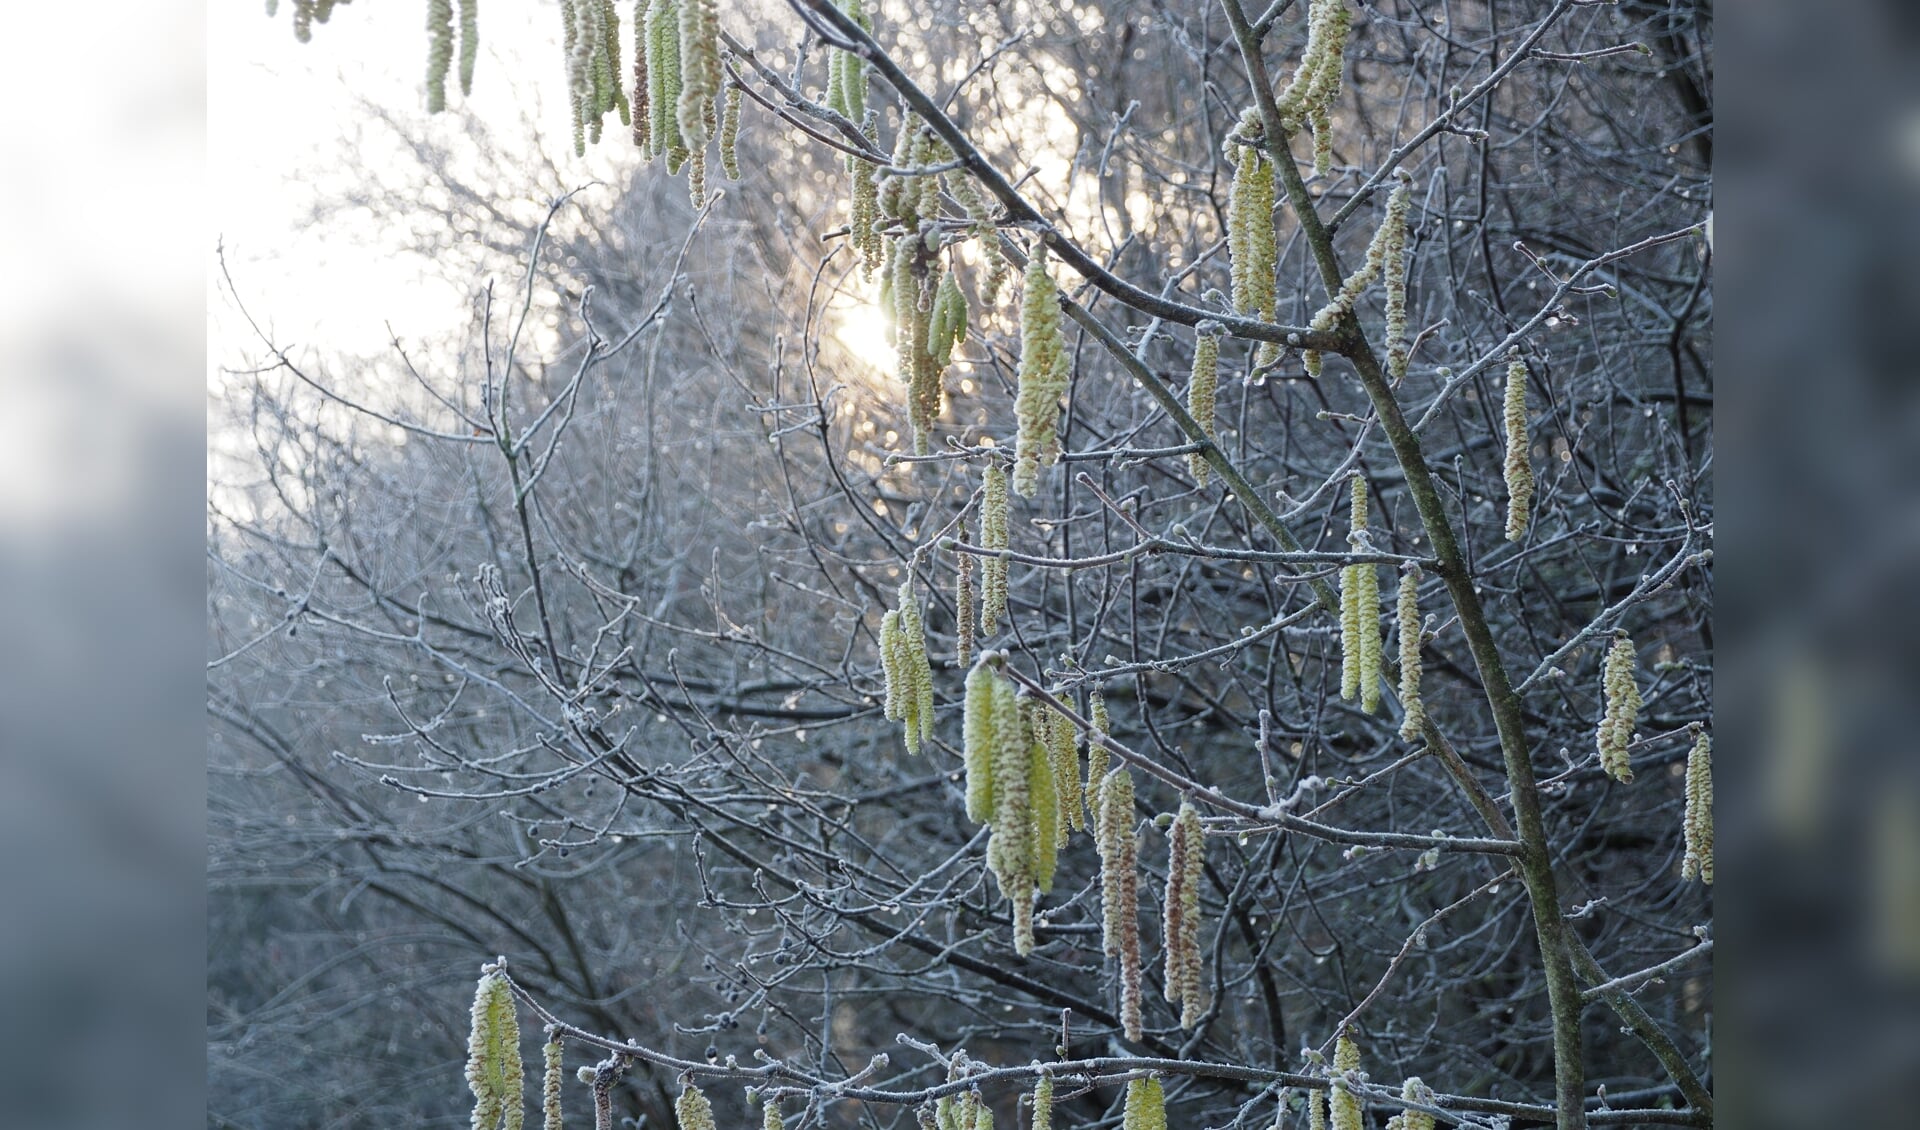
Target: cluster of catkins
{"type": "Point", "coordinates": [1360, 648]}
{"type": "Point", "coordinates": [1386, 252]}
{"type": "Point", "coordinates": [1186, 858]}
{"type": "Point", "coordinates": [439, 45]}
{"type": "Point", "coordinates": [909, 675]}
{"type": "Point", "coordinates": [1016, 781]}
{"type": "Point", "coordinates": [306, 13]}
{"type": "Point", "coordinates": [1414, 1090]}
{"type": "Point", "coordinates": [677, 105]}
{"type": "Point", "coordinates": [494, 1071]}
{"type": "Point", "coordinates": [1622, 710]}
{"type": "Point", "coordinates": [1308, 97]}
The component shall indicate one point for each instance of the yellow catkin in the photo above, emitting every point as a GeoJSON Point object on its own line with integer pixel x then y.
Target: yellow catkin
{"type": "Point", "coordinates": [1392, 232]}
{"type": "Point", "coordinates": [1146, 1105]}
{"type": "Point", "coordinates": [1186, 860]}
{"type": "Point", "coordinates": [692, 1110]}
{"type": "Point", "coordinates": [1120, 892]}
{"type": "Point", "coordinates": [1416, 1091]}
{"type": "Point", "coordinates": [770, 1114]}
{"type": "Point", "coordinates": [1622, 711]}
{"type": "Point", "coordinates": [892, 665]}
{"type": "Point", "coordinates": [494, 1071]}
{"type": "Point", "coordinates": [1348, 1110]}
{"type": "Point", "coordinates": [1316, 1110]}
{"type": "Point", "coordinates": [1394, 276]}
{"type": "Point", "coordinates": [663, 82]}
{"type": "Point", "coordinates": [1063, 757]}
{"type": "Point", "coordinates": [551, 1056]}
{"type": "Point", "coordinates": [730, 134]}
{"type": "Point", "coordinates": [1519, 464]}
{"type": "Point", "coordinates": [1360, 648]}
{"type": "Point", "coordinates": [1203, 387]}
{"type": "Point", "coordinates": [980, 214]}
{"type": "Point", "coordinates": [1044, 802]}
{"type": "Point", "coordinates": [915, 672]}
{"type": "Point", "coordinates": [1043, 1103]}
{"type": "Point", "coordinates": [949, 325]}
{"type": "Point", "coordinates": [1251, 250]}
{"type": "Point", "coordinates": [1698, 861]}
{"type": "Point", "coordinates": [993, 537]}
{"type": "Point", "coordinates": [1097, 756]}
{"type": "Point", "coordinates": [1010, 849]}
{"type": "Point", "coordinates": [1414, 711]}
{"type": "Point", "coordinates": [439, 52]}
{"type": "Point", "coordinates": [1316, 82]}
{"type": "Point", "coordinates": [699, 61]}
{"type": "Point", "coordinates": [979, 740]}
{"type": "Point", "coordinates": [1042, 376]}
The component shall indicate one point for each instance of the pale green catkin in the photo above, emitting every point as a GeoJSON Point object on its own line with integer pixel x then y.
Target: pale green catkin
{"type": "Point", "coordinates": [439, 52]}
{"type": "Point", "coordinates": [1392, 232]}
{"type": "Point", "coordinates": [1203, 386]}
{"type": "Point", "coordinates": [469, 43]}
{"type": "Point", "coordinates": [1309, 95]}
{"type": "Point", "coordinates": [993, 537]}
{"type": "Point", "coordinates": [1064, 757]}
{"type": "Point", "coordinates": [730, 134]}
{"type": "Point", "coordinates": [663, 82]}
{"type": "Point", "coordinates": [699, 87]}
{"type": "Point", "coordinates": [980, 739]}
{"type": "Point", "coordinates": [963, 607]}
{"type": "Point", "coordinates": [1045, 796]}
{"type": "Point", "coordinates": [1146, 1105]}
{"type": "Point", "coordinates": [1622, 710]}
{"type": "Point", "coordinates": [1010, 849]}
{"type": "Point", "coordinates": [692, 1110]}
{"type": "Point", "coordinates": [1097, 755]}
{"type": "Point", "coordinates": [1180, 935]}
{"type": "Point", "coordinates": [1414, 711]}
{"type": "Point", "coordinates": [1349, 1112]}
{"type": "Point", "coordinates": [1316, 1110]}
{"type": "Point", "coordinates": [1698, 861]}
{"type": "Point", "coordinates": [948, 326]}
{"type": "Point", "coordinates": [494, 1071]}
{"type": "Point", "coordinates": [909, 675]}
{"type": "Point", "coordinates": [1043, 1103]}
{"type": "Point", "coordinates": [1518, 468]}
{"type": "Point", "coordinates": [1251, 250]}
{"type": "Point", "coordinates": [1394, 276]}
{"type": "Point", "coordinates": [550, 1090]}
{"type": "Point", "coordinates": [1120, 892]}
{"type": "Point", "coordinates": [961, 184]}
{"type": "Point", "coordinates": [1414, 1091]}
{"type": "Point", "coordinates": [1360, 647]}
{"type": "Point", "coordinates": [1042, 377]}
{"type": "Point", "coordinates": [770, 1114]}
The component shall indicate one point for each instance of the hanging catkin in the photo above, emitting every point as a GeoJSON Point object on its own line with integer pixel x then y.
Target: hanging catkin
{"type": "Point", "coordinates": [699, 87]}
{"type": "Point", "coordinates": [1414, 711]}
{"type": "Point", "coordinates": [963, 605]}
{"type": "Point", "coordinates": [642, 115]}
{"type": "Point", "coordinates": [1120, 892]}
{"type": "Point", "coordinates": [994, 538]}
{"type": "Point", "coordinates": [1097, 755]}
{"type": "Point", "coordinates": [1316, 1110]}
{"type": "Point", "coordinates": [1186, 854]}
{"type": "Point", "coordinates": [1393, 272]}
{"type": "Point", "coordinates": [1146, 1105]}
{"type": "Point", "coordinates": [1413, 1091]}
{"type": "Point", "coordinates": [1391, 233]}
{"type": "Point", "coordinates": [980, 739]}
{"type": "Point", "coordinates": [1203, 386]}
{"type": "Point", "coordinates": [1519, 465]}
{"type": "Point", "coordinates": [1045, 802]}
{"type": "Point", "coordinates": [692, 1110]}
{"type": "Point", "coordinates": [439, 52]}
{"type": "Point", "coordinates": [909, 675]}
{"type": "Point", "coordinates": [1699, 818]}
{"type": "Point", "coordinates": [1347, 1108]}
{"type": "Point", "coordinates": [1063, 756]}
{"type": "Point", "coordinates": [663, 82]}
{"type": "Point", "coordinates": [1316, 82]}
{"type": "Point", "coordinates": [1010, 848]}
{"type": "Point", "coordinates": [1360, 649]}
{"type": "Point", "coordinates": [1251, 249]}
{"type": "Point", "coordinates": [494, 1072]}
{"type": "Point", "coordinates": [770, 1114]}
{"type": "Point", "coordinates": [961, 184]}
{"type": "Point", "coordinates": [469, 43]}
{"type": "Point", "coordinates": [730, 133]}
{"type": "Point", "coordinates": [948, 327]}
{"type": "Point", "coordinates": [551, 1055]}
{"type": "Point", "coordinates": [1043, 1103]}
{"type": "Point", "coordinates": [1622, 710]}
{"type": "Point", "coordinates": [1042, 376]}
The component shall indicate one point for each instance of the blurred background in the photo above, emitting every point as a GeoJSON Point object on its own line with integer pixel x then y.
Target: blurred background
{"type": "Point", "coordinates": [102, 536]}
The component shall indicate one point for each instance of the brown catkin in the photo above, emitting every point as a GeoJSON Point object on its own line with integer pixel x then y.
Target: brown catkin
{"type": "Point", "coordinates": [1699, 817]}
{"type": "Point", "coordinates": [994, 537]}
{"type": "Point", "coordinates": [1414, 711]}
{"type": "Point", "coordinates": [1203, 387]}
{"type": "Point", "coordinates": [550, 1089]}
{"type": "Point", "coordinates": [1622, 710]}
{"type": "Point", "coordinates": [641, 112]}
{"type": "Point", "coordinates": [1518, 468]}
{"type": "Point", "coordinates": [1181, 907]}
{"type": "Point", "coordinates": [963, 624]}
